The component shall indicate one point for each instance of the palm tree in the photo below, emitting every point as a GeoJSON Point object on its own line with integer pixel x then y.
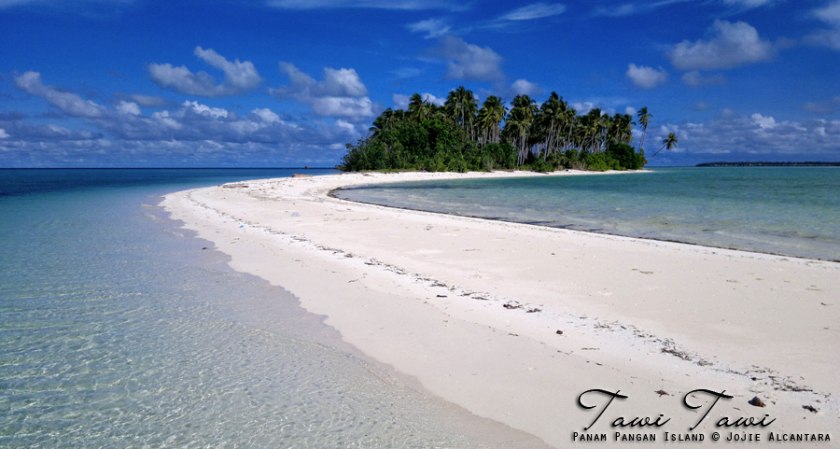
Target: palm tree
{"type": "Point", "coordinates": [494, 113]}
{"type": "Point", "coordinates": [518, 124]}
{"type": "Point", "coordinates": [668, 143]}
{"type": "Point", "coordinates": [553, 117]}
{"type": "Point", "coordinates": [644, 119]}
{"type": "Point", "coordinates": [417, 107]}
{"type": "Point", "coordinates": [462, 106]}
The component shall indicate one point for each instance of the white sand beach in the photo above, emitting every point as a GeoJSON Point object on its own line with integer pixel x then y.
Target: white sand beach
{"type": "Point", "coordinates": [513, 322]}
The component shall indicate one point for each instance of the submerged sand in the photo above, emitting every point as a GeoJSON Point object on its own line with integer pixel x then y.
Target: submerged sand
{"type": "Point", "coordinates": [513, 321]}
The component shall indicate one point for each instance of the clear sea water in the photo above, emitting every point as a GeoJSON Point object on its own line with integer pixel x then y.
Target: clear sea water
{"type": "Point", "coordinates": [119, 329]}
{"type": "Point", "coordinates": [793, 211]}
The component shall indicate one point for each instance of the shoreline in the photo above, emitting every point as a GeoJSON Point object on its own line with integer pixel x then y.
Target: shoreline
{"type": "Point", "coordinates": [446, 299]}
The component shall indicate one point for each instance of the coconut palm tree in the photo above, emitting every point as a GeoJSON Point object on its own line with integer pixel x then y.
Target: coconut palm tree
{"type": "Point", "coordinates": [462, 106]}
{"type": "Point", "coordinates": [494, 109]}
{"type": "Point", "coordinates": [417, 107]}
{"type": "Point", "coordinates": [518, 124]}
{"type": "Point", "coordinates": [668, 143]}
{"type": "Point", "coordinates": [644, 119]}
{"type": "Point", "coordinates": [553, 116]}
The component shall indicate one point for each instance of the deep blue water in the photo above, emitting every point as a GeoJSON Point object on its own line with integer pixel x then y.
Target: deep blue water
{"type": "Point", "coordinates": [793, 211]}
{"type": "Point", "coordinates": [120, 329]}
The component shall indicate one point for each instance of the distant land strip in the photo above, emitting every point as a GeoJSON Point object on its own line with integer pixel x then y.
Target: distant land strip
{"type": "Point", "coordinates": [769, 164]}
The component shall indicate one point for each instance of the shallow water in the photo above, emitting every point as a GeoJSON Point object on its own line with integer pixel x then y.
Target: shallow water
{"type": "Point", "coordinates": [793, 211]}
{"type": "Point", "coordinates": [119, 329]}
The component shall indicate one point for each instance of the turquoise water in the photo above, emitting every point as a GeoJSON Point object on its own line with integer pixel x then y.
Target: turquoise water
{"type": "Point", "coordinates": [119, 329]}
{"type": "Point", "coordinates": [792, 211]}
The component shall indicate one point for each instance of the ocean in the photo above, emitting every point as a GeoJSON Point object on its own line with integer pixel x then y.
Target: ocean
{"type": "Point", "coordinates": [120, 329]}
{"type": "Point", "coordinates": [791, 211]}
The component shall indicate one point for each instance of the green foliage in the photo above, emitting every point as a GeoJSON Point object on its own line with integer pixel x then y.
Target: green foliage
{"type": "Point", "coordinates": [626, 156]}
{"type": "Point", "coordinates": [460, 137]}
{"type": "Point", "coordinates": [601, 162]}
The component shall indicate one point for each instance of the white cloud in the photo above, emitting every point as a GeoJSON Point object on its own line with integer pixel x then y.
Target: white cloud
{"type": "Point", "coordinates": [204, 110]}
{"type": "Point", "coordinates": [340, 94]}
{"type": "Point", "coordinates": [3, 134]}
{"type": "Point", "coordinates": [630, 110]}
{"type": "Point", "coordinates": [128, 107]}
{"type": "Point", "coordinates": [729, 45]}
{"type": "Point", "coordinates": [351, 108]}
{"type": "Point", "coordinates": [266, 115]}
{"type": "Point", "coordinates": [239, 76]}
{"type": "Point", "coordinates": [69, 103]}
{"type": "Point", "coordinates": [336, 83]}
{"type": "Point", "coordinates": [148, 101]}
{"type": "Point", "coordinates": [695, 79]}
{"type": "Point", "coordinates": [749, 3]}
{"type": "Point", "coordinates": [5, 4]}
{"type": "Point", "coordinates": [755, 136]}
{"type": "Point", "coordinates": [829, 14]}
{"type": "Point", "coordinates": [764, 122]}
{"type": "Point", "coordinates": [468, 61]}
{"type": "Point", "coordinates": [340, 83]}
{"type": "Point", "coordinates": [401, 101]}
{"type": "Point", "coordinates": [582, 107]}
{"type": "Point", "coordinates": [525, 87]}
{"type": "Point", "coordinates": [429, 98]}
{"type": "Point", "coordinates": [433, 28]}
{"type": "Point", "coordinates": [535, 11]}
{"type": "Point", "coordinates": [647, 77]}
{"type": "Point", "coordinates": [408, 5]}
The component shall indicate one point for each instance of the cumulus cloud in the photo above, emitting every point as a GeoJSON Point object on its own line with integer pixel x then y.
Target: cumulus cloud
{"type": "Point", "coordinates": [128, 107]}
{"type": "Point", "coordinates": [728, 45]}
{"type": "Point", "coordinates": [830, 15]}
{"type": "Point", "coordinates": [535, 11]}
{"type": "Point", "coordinates": [468, 61]}
{"type": "Point", "coordinates": [202, 133]}
{"type": "Point", "coordinates": [266, 115]}
{"type": "Point", "coordinates": [525, 87]}
{"type": "Point", "coordinates": [238, 76]}
{"type": "Point", "coordinates": [764, 122]}
{"type": "Point", "coordinates": [753, 137]}
{"type": "Point", "coordinates": [69, 103]}
{"type": "Point", "coordinates": [340, 94]}
{"type": "Point", "coordinates": [401, 101]}
{"type": "Point", "coordinates": [695, 79]}
{"type": "Point", "coordinates": [352, 108]}
{"type": "Point", "coordinates": [582, 107]}
{"type": "Point", "coordinates": [433, 28]}
{"type": "Point", "coordinates": [646, 77]}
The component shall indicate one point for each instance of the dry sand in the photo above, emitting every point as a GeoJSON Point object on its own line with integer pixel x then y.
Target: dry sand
{"type": "Point", "coordinates": [471, 309]}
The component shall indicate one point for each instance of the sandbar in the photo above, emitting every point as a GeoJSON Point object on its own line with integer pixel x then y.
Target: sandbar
{"type": "Point", "coordinates": [514, 321]}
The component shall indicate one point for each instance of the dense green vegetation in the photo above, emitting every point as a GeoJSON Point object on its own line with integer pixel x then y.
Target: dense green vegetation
{"type": "Point", "coordinates": [460, 136]}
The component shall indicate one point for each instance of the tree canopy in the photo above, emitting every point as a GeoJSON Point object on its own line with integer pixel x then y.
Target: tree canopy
{"type": "Point", "coordinates": [460, 136]}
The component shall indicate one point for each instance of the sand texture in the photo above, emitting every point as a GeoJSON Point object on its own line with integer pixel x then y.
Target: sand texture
{"type": "Point", "coordinates": [512, 322]}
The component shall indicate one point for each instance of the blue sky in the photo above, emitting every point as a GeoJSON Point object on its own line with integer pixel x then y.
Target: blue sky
{"type": "Point", "coordinates": [255, 83]}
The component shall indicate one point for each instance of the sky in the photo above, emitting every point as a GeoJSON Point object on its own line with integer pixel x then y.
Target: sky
{"type": "Point", "coordinates": [288, 83]}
